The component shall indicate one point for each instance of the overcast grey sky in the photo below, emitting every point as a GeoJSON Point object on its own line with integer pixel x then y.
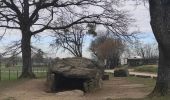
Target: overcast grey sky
{"type": "Point", "coordinates": [140, 13]}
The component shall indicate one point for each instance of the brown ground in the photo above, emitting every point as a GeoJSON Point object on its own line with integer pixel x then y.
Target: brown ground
{"type": "Point", "coordinates": [114, 88]}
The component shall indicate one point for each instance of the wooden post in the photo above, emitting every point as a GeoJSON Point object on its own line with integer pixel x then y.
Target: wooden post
{"type": "Point", "coordinates": [37, 72]}
{"type": "Point", "coordinates": [41, 72]}
{"type": "Point", "coordinates": [17, 74]}
{"type": "Point", "coordinates": [0, 75]}
{"type": "Point", "coordinates": [9, 74]}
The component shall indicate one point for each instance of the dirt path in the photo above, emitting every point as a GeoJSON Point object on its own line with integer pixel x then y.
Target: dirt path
{"type": "Point", "coordinates": [143, 74]}
{"type": "Point", "coordinates": [114, 88]}
{"type": "Point", "coordinates": [132, 72]}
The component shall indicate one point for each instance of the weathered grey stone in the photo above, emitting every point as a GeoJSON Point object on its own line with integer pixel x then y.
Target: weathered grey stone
{"type": "Point", "coordinates": [105, 77]}
{"type": "Point", "coordinates": [76, 93]}
{"type": "Point", "coordinates": [121, 73]}
{"type": "Point", "coordinates": [76, 73]}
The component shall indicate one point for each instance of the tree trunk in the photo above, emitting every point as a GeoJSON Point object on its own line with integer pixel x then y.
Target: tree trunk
{"type": "Point", "coordinates": [163, 81]}
{"type": "Point", "coordinates": [26, 56]}
{"type": "Point", "coordinates": [160, 22]}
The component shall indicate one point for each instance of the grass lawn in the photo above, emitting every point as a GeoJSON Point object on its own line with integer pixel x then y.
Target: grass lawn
{"type": "Point", "coordinates": [14, 73]}
{"type": "Point", "coordinates": [148, 82]}
{"type": "Point", "coordinates": [146, 68]}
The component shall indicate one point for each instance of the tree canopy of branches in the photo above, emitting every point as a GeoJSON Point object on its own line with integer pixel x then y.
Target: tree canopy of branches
{"type": "Point", "coordinates": [31, 17]}
{"type": "Point", "coordinates": [108, 50]}
{"type": "Point", "coordinates": [70, 39]}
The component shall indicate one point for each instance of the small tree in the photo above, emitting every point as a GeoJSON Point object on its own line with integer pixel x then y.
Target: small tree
{"type": "Point", "coordinates": [107, 49]}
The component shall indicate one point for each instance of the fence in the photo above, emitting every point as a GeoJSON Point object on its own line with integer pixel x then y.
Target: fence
{"type": "Point", "coordinates": [13, 74]}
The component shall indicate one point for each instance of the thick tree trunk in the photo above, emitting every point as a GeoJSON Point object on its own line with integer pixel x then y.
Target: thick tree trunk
{"type": "Point", "coordinates": [160, 22]}
{"type": "Point", "coordinates": [26, 56]}
{"type": "Point", "coordinates": [163, 81]}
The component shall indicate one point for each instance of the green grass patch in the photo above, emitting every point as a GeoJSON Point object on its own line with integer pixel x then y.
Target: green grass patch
{"type": "Point", "coordinates": [10, 98]}
{"type": "Point", "coordinates": [14, 73]}
{"type": "Point", "coordinates": [146, 68]}
{"type": "Point", "coordinates": [40, 73]}
{"type": "Point", "coordinates": [9, 75]}
{"type": "Point", "coordinates": [148, 82]}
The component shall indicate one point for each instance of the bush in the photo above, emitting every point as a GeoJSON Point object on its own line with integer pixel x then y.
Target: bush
{"type": "Point", "coordinates": [121, 73]}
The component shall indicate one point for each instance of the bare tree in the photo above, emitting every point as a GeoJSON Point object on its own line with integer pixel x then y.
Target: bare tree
{"type": "Point", "coordinates": [139, 49]}
{"type": "Point", "coordinates": [108, 49]}
{"type": "Point", "coordinates": [70, 39]}
{"type": "Point", "coordinates": [151, 51]}
{"type": "Point", "coordinates": [145, 50]}
{"type": "Point", "coordinates": [35, 16]}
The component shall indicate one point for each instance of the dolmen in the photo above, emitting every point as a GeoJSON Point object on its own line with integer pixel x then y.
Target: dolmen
{"type": "Point", "coordinates": [75, 73]}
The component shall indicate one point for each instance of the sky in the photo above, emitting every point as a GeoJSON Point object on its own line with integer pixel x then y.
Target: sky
{"type": "Point", "coordinates": [142, 23]}
{"type": "Point", "coordinates": [141, 14]}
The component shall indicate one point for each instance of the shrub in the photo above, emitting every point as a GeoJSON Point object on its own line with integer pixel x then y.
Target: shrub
{"type": "Point", "coordinates": [121, 73]}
